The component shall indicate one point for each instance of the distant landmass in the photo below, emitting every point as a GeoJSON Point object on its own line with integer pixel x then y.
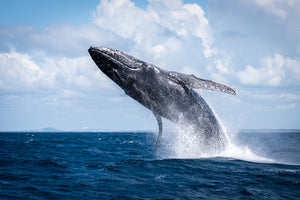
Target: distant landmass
{"type": "Point", "coordinates": [48, 129]}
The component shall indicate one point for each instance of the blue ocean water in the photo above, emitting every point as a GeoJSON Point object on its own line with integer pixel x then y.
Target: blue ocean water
{"type": "Point", "coordinates": [123, 165]}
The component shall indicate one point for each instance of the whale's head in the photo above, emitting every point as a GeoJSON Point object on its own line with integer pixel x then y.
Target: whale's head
{"type": "Point", "coordinates": [118, 66]}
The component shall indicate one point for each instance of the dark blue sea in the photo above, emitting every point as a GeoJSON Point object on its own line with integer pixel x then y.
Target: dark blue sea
{"type": "Point", "coordinates": [123, 165]}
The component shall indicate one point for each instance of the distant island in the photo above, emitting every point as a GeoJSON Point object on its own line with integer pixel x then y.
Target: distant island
{"type": "Point", "coordinates": [47, 129]}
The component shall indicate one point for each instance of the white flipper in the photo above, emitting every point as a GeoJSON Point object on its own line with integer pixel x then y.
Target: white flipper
{"type": "Point", "coordinates": [160, 127]}
{"type": "Point", "coordinates": [198, 83]}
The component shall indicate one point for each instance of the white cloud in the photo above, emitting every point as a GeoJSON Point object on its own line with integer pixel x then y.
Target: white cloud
{"type": "Point", "coordinates": [162, 26]}
{"type": "Point", "coordinates": [222, 66]}
{"type": "Point", "coordinates": [120, 16]}
{"type": "Point", "coordinates": [273, 72]}
{"type": "Point", "coordinates": [21, 72]}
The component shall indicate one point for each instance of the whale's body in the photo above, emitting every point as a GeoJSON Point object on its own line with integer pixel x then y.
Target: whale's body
{"type": "Point", "coordinates": [167, 94]}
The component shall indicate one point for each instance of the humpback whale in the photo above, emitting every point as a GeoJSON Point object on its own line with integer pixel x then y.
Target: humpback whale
{"type": "Point", "coordinates": [167, 94]}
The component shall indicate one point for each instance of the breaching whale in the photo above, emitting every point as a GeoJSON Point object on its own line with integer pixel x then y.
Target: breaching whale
{"type": "Point", "coordinates": [167, 94]}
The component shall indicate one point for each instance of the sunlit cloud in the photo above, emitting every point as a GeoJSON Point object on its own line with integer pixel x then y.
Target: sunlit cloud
{"type": "Point", "coordinates": [161, 28]}
{"type": "Point", "coordinates": [274, 71]}
{"type": "Point", "coordinates": [20, 72]}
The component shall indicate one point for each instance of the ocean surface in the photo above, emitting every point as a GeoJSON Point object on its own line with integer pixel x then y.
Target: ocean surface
{"type": "Point", "coordinates": [123, 165]}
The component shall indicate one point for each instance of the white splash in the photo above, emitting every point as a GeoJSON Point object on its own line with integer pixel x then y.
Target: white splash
{"type": "Point", "coordinates": [242, 153]}
{"type": "Point", "coordinates": [185, 143]}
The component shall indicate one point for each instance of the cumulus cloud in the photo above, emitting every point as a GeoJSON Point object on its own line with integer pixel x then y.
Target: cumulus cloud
{"type": "Point", "coordinates": [274, 71]}
{"type": "Point", "coordinates": [162, 27]}
{"type": "Point", "coordinates": [20, 72]}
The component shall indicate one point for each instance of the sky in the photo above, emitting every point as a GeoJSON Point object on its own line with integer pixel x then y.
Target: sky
{"type": "Point", "coordinates": [47, 78]}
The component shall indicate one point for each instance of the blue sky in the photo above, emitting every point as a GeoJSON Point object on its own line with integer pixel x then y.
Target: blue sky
{"type": "Point", "coordinates": [48, 80]}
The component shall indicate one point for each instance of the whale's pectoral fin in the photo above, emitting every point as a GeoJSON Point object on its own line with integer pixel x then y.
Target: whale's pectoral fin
{"type": "Point", "coordinates": [198, 83]}
{"type": "Point", "coordinates": [160, 127]}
